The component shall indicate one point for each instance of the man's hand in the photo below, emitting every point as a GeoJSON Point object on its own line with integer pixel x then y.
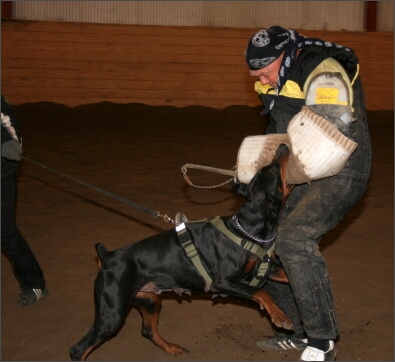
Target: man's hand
{"type": "Point", "coordinates": [11, 150]}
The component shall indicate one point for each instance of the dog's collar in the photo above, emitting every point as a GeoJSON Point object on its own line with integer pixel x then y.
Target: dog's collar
{"type": "Point", "coordinates": [247, 234]}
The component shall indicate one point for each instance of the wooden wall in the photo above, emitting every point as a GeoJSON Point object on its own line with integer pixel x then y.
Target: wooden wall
{"type": "Point", "coordinates": [81, 63]}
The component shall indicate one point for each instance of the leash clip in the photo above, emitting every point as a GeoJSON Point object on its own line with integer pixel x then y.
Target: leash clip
{"type": "Point", "coordinates": [166, 218]}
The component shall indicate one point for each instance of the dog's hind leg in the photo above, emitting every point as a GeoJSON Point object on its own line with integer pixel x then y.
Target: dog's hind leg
{"type": "Point", "coordinates": [110, 313]}
{"type": "Point", "coordinates": [149, 305]}
{"type": "Point", "coordinates": [80, 350]}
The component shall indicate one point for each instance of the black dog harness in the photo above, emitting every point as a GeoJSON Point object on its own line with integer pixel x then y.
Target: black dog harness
{"type": "Point", "coordinates": [263, 255]}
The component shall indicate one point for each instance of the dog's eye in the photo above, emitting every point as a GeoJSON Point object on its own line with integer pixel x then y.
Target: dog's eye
{"type": "Point", "coordinates": [271, 206]}
{"type": "Point", "coordinates": [269, 203]}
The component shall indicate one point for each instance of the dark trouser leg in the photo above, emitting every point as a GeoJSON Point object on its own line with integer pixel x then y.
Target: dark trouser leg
{"type": "Point", "coordinates": [311, 211]}
{"type": "Point", "coordinates": [25, 265]}
{"type": "Point", "coordinates": [283, 296]}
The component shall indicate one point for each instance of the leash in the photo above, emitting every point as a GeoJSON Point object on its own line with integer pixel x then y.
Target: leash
{"type": "Point", "coordinates": [179, 216]}
{"type": "Point", "coordinates": [184, 170]}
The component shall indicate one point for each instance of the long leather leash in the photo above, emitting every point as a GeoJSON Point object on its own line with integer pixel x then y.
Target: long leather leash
{"type": "Point", "coordinates": [145, 209]}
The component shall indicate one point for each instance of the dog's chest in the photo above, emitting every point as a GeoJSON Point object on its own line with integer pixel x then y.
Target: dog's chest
{"type": "Point", "coordinates": [213, 247]}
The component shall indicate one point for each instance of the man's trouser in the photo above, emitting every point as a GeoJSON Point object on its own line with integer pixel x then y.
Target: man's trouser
{"type": "Point", "coordinates": [25, 265]}
{"type": "Point", "coordinates": [310, 212]}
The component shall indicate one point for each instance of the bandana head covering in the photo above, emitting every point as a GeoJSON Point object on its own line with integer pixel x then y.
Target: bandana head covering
{"type": "Point", "coordinates": [268, 44]}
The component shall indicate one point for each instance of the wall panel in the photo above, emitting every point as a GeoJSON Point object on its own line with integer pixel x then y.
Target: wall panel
{"type": "Point", "coordinates": [385, 16]}
{"type": "Point", "coordinates": [312, 15]}
{"type": "Point", "coordinates": [80, 63]}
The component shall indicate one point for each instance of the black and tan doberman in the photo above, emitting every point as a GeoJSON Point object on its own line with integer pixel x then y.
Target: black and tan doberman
{"type": "Point", "coordinates": [136, 274]}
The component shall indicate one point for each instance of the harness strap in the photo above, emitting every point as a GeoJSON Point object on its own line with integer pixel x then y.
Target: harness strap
{"type": "Point", "coordinates": [244, 243]}
{"type": "Point", "coordinates": [261, 253]}
{"type": "Point", "coordinates": [190, 250]}
{"type": "Point", "coordinates": [261, 272]}
{"type": "Point", "coordinates": [187, 244]}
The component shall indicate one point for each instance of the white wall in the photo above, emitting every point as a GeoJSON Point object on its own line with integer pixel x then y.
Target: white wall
{"type": "Point", "coordinates": [308, 15]}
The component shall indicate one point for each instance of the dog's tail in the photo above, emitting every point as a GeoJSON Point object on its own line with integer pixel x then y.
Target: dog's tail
{"type": "Point", "coordinates": [101, 250]}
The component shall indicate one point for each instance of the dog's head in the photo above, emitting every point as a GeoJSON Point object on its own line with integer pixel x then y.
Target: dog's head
{"type": "Point", "coordinates": [268, 189]}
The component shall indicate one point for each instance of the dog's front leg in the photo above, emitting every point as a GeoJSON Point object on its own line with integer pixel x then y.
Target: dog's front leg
{"type": "Point", "coordinates": [149, 305]}
{"type": "Point", "coordinates": [279, 276]}
{"type": "Point", "coordinates": [277, 316]}
{"type": "Point", "coordinates": [237, 289]}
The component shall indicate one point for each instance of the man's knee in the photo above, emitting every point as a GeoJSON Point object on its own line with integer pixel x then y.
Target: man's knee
{"type": "Point", "coordinates": [295, 245]}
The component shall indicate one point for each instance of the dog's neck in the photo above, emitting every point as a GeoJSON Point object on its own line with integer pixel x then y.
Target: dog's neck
{"type": "Point", "coordinates": [248, 222]}
{"type": "Point", "coordinates": [245, 234]}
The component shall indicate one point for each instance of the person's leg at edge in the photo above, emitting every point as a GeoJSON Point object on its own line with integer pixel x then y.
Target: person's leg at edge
{"type": "Point", "coordinates": [25, 266]}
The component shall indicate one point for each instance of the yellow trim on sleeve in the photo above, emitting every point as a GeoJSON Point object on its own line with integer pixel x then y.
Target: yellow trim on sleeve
{"type": "Point", "coordinates": [356, 75]}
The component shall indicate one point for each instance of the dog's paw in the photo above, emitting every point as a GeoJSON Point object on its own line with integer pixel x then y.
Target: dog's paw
{"type": "Point", "coordinates": [176, 350]}
{"type": "Point", "coordinates": [282, 321]}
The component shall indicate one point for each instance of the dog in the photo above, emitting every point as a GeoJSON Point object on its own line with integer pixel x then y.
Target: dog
{"type": "Point", "coordinates": [195, 256]}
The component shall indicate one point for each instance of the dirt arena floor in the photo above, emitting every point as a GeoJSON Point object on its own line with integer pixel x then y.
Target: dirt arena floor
{"type": "Point", "coordinates": [136, 152]}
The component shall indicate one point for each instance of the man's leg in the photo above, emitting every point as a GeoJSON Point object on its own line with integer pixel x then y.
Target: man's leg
{"type": "Point", "coordinates": [24, 263]}
{"type": "Point", "coordinates": [283, 296]}
{"type": "Point", "coordinates": [312, 211]}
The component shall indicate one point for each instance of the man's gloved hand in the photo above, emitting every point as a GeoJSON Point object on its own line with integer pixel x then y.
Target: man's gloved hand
{"type": "Point", "coordinates": [11, 150]}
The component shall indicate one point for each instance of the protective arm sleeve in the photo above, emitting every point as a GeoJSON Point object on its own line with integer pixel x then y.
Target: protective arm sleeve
{"type": "Point", "coordinates": [328, 93]}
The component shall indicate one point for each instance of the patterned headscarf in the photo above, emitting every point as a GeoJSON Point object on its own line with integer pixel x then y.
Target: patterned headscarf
{"type": "Point", "coordinates": [267, 45]}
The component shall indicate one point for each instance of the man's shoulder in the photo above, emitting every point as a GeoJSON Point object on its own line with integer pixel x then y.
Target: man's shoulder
{"type": "Point", "coordinates": [315, 52]}
{"type": "Point", "coordinates": [314, 56]}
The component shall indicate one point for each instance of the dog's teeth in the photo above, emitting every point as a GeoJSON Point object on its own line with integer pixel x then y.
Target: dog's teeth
{"type": "Point", "coordinates": [262, 307]}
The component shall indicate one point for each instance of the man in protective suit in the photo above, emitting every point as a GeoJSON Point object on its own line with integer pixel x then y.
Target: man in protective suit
{"type": "Point", "coordinates": [295, 72]}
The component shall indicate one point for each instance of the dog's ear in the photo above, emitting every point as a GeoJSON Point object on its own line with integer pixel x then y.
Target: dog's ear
{"type": "Point", "coordinates": [101, 250]}
{"type": "Point", "coordinates": [240, 189]}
